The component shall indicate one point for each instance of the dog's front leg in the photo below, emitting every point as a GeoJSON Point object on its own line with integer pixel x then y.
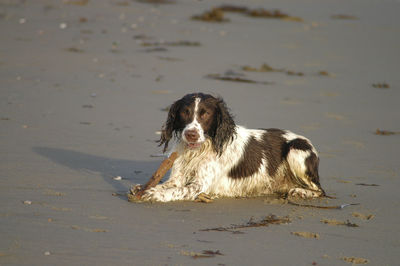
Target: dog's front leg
{"type": "Point", "coordinates": [162, 194]}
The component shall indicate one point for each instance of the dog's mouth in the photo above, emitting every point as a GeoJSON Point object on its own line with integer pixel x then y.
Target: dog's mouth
{"type": "Point", "coordinates": [193, 145]}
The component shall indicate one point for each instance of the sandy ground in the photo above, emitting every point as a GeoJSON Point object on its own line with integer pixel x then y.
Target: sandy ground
{"type": "Point", "coordinates": [82, 99]}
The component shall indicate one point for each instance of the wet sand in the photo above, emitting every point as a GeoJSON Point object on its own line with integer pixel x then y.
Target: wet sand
{"type": "Point", "coordinates": [84, 87]}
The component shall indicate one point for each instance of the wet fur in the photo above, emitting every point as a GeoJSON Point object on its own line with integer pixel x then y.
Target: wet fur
{"type": "Point", "coordinates": [233, 161]}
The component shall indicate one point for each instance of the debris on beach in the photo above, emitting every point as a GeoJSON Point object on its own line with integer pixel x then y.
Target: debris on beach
{"type": "Point", "coordinates": [266, 68]}
{"type": "Point", "coordinates": [204, 254]}
{"type": "Point", "coordinates": [93, 230]}
{"type": "Point", "coordinates": [236, 79]}
{"type": "Point", "coordinates": [270, 219]}
{"type": "Point", "coordinates": [276, 14]}
{"type": "Point", "coordinates": [175, 43]}
{"type": "Point", "coordinates": [339, 207]}
{"type": "Point", "coordinates": [213, 15]}
{"type": "Point", "coordinates": [293, 73]}
{"type": "Point", "coordinates": [50, 192]}
{"type": "Point", "coordinates": [27, 202]}
{"type": "Point", "coordinates": [263, 68]}
{"type": "Point", "coordinates": [385, 132]}
{"type": "Point", "coordinates": [326, 74]}
{"type": "Point", "coordinates": [363, 216]}
{"type": "Point", "coordinates": [355, 260]}
{"type": "Point", "coordinates": [336, 222]}
{"type": "Point", "coordinates": [259, 13]}
{"type": "Point", "coordinates": [344, 17]}
{"type": "Point", "coordinates": [156, 2]}
{"type": "Point", "coordinates": [76, 2]}
{"type": "Point", "coordinates": [216, 14]}
{"type": "Point", "coordinates": [367, 185]}
{"type": "Point", "coordinates": [383, 85]}
{"type": "Point", "coordinates": [306, 234]}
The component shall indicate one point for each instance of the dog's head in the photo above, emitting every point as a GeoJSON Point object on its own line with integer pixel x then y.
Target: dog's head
{"type": "Point", "coordinates": [196, 117]}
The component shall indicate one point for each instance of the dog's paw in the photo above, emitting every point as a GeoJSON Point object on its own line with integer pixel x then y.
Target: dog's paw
{"type": "Point", "coordinates": [135, 189]}
{"type": "Point", "coordinates": [203, 197]}
{"type": "Point", "coordinates": [132, 194]}
{"type": "Point", "coordinates": [303, 193]}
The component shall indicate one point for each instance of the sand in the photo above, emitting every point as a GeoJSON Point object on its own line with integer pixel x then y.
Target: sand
{"type": "Point", "coordinates": [82, 101]}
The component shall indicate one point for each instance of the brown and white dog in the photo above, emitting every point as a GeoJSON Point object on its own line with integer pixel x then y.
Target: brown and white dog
{"type": "Point", "coordinates": [221, 159]}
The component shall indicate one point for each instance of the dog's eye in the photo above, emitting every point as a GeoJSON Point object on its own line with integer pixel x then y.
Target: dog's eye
{"type": "Point", "coordinates": [186, 112]}
{"type": "Point", "coordinates": [204, 114]}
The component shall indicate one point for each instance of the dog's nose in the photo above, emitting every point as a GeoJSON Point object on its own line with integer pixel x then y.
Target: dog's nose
{"type": "Point", "coordinates": [192, 135]}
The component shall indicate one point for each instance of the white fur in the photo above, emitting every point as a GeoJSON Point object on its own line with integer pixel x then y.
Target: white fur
{"type": "Point", "coordinates": [195, 125]}
{"type": "Point", "coordinates": [197, 171]}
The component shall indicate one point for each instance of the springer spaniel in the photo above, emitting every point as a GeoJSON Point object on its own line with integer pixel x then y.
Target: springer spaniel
{"type": "Point", "coordinates": [218, 158]}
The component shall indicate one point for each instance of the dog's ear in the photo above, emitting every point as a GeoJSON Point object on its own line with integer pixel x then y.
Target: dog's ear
{"type": "Point", "coordinates": [171, 125]}
{"type": "Point", "coordinates": [225, 127]}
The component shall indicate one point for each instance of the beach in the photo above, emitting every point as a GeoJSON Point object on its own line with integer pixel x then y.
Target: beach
{"type": "Point", "coordinates": [85, 87]}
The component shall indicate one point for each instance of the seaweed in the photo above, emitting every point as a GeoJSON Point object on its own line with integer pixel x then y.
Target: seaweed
{"type": "Point", "coordinates": [216, 14]}
{"type": "Point", "coordinates": [266, 68]}
{"type": "Point", "coordinates": [213, 15]}
{"type": "Point", "coordinates": [367, 185]}
{"type": "Point", "coordinates": [236, 79]}
{"type": "Point", "coordinates": [346, 17]}
{"type": "Point", "coordinates": [204, 254]}
{"type": "Point", "coordinates": [306, 234]}
{"type": "Point", "coordinates": [270, 219]}
{"type": "Point", "coordinates": [386, 132]}
{"type": "Point", "coordinates": [293, 73]}
{"type": "Point", "coordinates": [383, 85]}
{"type": "Point", "coordinates": [156, 2]}
{"type": "Point", "coordinates": [177, 43]}
{"type": "Point", "coordinates": [363, 216]}
{"type": "Point", "coordinates": [263, 68]}
{"type": "Point", "coordinates": [355, 260]}
{"type": "Point", "coordinates": [336, 222]}
{"type": "Point", "coordinates": [76, 2]}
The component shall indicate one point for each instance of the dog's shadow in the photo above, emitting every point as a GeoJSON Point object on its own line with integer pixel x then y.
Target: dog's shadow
{"type": "Point", "coordinates": [135, 171]}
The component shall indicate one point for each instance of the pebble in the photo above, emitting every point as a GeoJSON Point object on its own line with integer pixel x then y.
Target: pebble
{"type": "Point", "coordinates": [27, 202]}
{"type": "Point", "coordinates": [117, 178]}
{"type": "Point", "coordinates": [63, 26]}
{"type": "Point", "coordinates": [22, 20]}
{"type": "Point", "coordinates": [47, 253]}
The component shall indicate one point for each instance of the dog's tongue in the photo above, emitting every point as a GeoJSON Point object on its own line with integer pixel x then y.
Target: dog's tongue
{"type": "Point", "coordinates": [194, 145]}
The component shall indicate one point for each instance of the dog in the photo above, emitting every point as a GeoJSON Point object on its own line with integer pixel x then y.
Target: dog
{"type": "Point", "coordinates": [218, 158]}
